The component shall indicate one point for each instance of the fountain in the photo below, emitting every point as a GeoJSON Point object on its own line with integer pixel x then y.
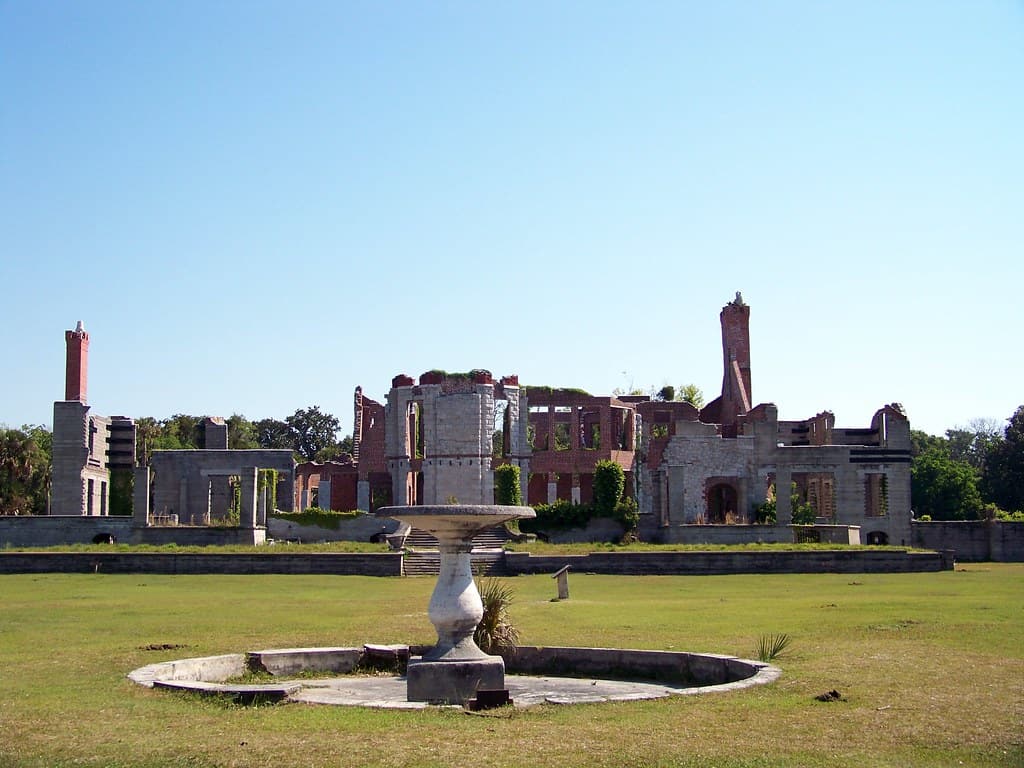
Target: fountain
{"type": "Point", "coordinates": [455, 669]}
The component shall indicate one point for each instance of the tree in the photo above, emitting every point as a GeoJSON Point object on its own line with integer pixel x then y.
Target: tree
{"type": "Point", "coordinates": [241, 432]}
{"type": "Point", "coordinates": [1003, 481]}
{"type": "Point", "coordinates": [920, 442]}
{"type": "Point", "coordinates": [971, 444]}
{"type": "Point", "coordinates": [690, 393]}
{"type": "Point", "coordinates": [271, 433]}
{"type": "Point", "coordinates": [24, 471]}
{"type": "Point", "coordinates": [312, 431]}
{"type": "Point", "coordinates": [944, 488]}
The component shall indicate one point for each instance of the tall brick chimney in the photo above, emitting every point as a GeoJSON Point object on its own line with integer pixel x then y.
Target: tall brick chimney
{"type": "Point", "coordinates": [737, 397]}
{"type": "Point", "coordinates": [77, 369]}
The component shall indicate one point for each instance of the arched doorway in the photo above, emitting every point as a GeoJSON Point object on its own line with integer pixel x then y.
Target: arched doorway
{"type": "Point", "coordinates": [721, 503]}
{"type": "Point", "coordinates": [878, 538]}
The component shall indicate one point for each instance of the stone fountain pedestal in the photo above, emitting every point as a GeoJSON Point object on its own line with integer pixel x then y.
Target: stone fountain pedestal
{"type": "Point", "coordinates": [455, 669]}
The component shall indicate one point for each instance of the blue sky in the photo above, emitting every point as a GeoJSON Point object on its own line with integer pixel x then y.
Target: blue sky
{"type": "Point", "coordinates": [255, 207]}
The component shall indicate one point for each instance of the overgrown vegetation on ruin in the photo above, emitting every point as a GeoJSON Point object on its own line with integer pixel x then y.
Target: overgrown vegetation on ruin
{"type": "Point", "coordinates": [507, 488]}
{"type": "Point", "coordinates": [67, 642]}
{"type": "Point", "coordinates": [319, 518]}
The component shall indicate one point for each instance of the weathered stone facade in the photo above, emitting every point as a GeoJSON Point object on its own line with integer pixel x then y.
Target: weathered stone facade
{"type": "Point", "coordinates": [86, 447]}
{"type": "Point", "coordinates": [183, 481]}
{"type": "Point", "coordinates": [439, 436]}
{"type": "Point", "coordinates": [717, 466]}
{"type": "Point", "coordinates": [686, 467]}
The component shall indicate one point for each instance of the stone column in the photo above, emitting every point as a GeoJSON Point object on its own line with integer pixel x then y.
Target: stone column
{"type": "Point", "coordinates": [550, 443]}
{"type": "Point", "coordinates": [140, 498]}
{"type": "Point", "coordinates": [552, 488]}
{"type": "Point", "coordinates": [363, 495]}
{"type": "Point", "coordinates": [783, 506]}
{"type": "Point", "coordinates": [247, 517]}
{"type": "Point", "coordinates": [261, 509]}
{"type": "Point", "coordinates": [184, 513]}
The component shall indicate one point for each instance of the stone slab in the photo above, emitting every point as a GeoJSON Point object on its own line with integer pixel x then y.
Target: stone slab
{"type": "Point", "coordinates": [453, 682]}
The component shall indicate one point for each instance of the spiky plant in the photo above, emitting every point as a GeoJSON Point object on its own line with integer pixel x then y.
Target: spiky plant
{"type": "Point", "coordinates": [770, 647]}
{"type": "Point", "coordinates": [495, 633]}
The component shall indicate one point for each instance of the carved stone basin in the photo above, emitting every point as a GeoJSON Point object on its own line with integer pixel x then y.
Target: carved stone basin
{"type": "Point", "coordinates": [453, 670]}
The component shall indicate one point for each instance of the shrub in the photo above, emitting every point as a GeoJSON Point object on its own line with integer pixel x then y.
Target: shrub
{"type": "Point", "coordinates": [765, 513]}
{"type": "Point", "coordinates": [770, 647]}
{"type": "Point", "coordinates": [319, 518]}
{"type": "Point", "coordinates": [495, 633]}
{"type": "Point", "coordinates": [507, 489]}
{"type": "Point", "coordinates": [803, 514]}
{"type": "Point", "coordinates": [609, 483]}
{"type": "Point", "coordinates": [628, 514]}
{"type": "Point", "coordinates": [561, 514]}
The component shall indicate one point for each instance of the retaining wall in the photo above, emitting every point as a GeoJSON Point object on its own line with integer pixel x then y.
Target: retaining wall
{"type": "Point", "coordinates": [337, 564]}
{"type": "Point", "coordinates": [360, 528]}
{"type": "Point", "coordinates": [710, 563]}
{"type": "Point", "coordinates": [51, 530]}
{"type": "Point", "coordinates": [54, 530]}
{"type": "Point", "coordinates": [973, 540]}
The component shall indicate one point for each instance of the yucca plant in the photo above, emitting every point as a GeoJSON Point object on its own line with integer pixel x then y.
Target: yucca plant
{"type": "Point", "coordinates": [770, 647]}
{"type": "Point", "coordinates": [495, 632]}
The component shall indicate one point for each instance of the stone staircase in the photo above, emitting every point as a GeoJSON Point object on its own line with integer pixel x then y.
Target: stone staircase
{"type": "Point", "coordinates": [422, 558]}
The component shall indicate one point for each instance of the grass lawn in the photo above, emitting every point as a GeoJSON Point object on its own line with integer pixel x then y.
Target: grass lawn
{"type": "Point", "coordinates": [931, 667]}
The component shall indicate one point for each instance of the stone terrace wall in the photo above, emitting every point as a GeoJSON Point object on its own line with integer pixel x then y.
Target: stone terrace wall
{"type": "Point", "coordinates": [973, 541]}
{"type": "Point", "coordinates": [48, 531]}
{"type": "Point", "coordinates": [701, 563]}
{"type": "Point", "coordinates": [373, 564]}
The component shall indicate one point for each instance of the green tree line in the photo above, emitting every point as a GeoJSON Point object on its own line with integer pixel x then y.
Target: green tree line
{"type": "Point", "coordinates": [971, 473]}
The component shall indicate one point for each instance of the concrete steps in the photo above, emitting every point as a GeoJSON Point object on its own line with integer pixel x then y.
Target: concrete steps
{"type": "Point", "coordinates": [427, 563]}
{"type": "Point", "coordinates": [492, 538]}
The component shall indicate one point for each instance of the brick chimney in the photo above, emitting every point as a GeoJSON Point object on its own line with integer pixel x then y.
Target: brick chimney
{"type": "Point", "coordinates": [736, 390]}
{"type": "Point", "coordinates": [77, 369]}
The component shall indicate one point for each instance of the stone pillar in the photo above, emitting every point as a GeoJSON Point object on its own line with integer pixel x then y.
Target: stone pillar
{"type": "Point", "coordinates": [674, 495]}
{"type": "Point", "coordinates": [324, 494]}
{"type": "Point", "coordinates": [261, 509]}
{"type": "Point", "coordinates": [247, 517]}
{"type": "Point", "coordinates": [363, 495]}
{"type": "Point", "coordinates": [552, 488]}
{"type": "Point", "coordinates": [184, 514]}
{"type": "Point", "coordinates": [549, 443]}
{"type": "Point", "coordinates": [400, 482]}
{"type": "Point", "coordinates": [140, 498]}
{"type": "Point", "coordinates": [783, 505]}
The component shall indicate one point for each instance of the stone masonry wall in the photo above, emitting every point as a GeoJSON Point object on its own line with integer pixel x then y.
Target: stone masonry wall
{"type": "Point", "coordinates": [692, 460]}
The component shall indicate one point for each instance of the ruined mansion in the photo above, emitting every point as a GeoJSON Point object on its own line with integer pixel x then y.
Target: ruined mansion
{"type": "Point", "coordinates": [697, 474]}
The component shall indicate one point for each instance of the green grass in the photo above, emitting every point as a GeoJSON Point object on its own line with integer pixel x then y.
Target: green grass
{"type": "Point", "coordinates": [583, 548]}
{"type": "Point", "coordinates": [930, 667]}
{"type": "Point", "coordinates": [280, 548]}
{"type": "Point", "coordinates": [535, 547]}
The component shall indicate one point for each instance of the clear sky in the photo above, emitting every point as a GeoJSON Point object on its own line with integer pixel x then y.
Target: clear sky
{"type": "Point", "coordinates": [256, 206]}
